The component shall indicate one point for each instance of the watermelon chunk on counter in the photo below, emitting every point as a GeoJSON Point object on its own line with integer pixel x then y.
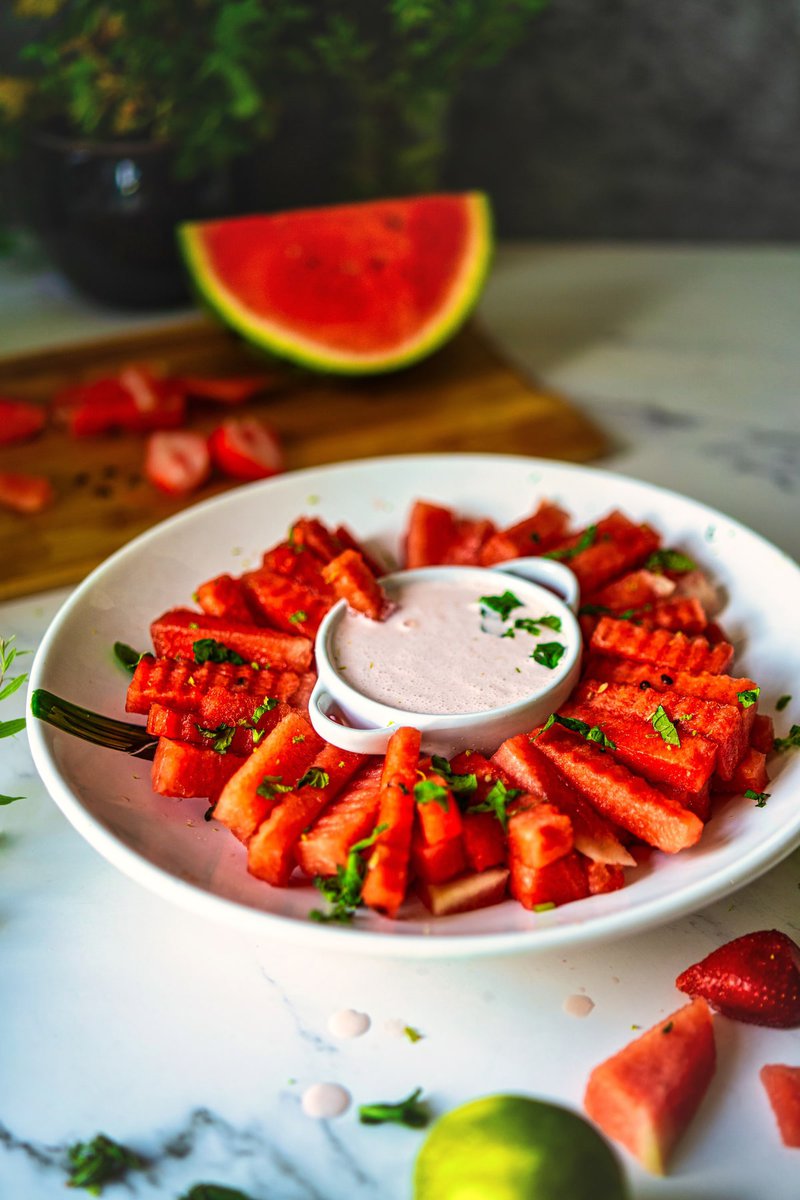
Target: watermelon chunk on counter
{"type": "Point", "coordinates": [351, 816]}
{"type": "Point", "coordinates": [277, 762]}
{"type": "Point", "coordinates": [664, 649]}
{"type": "Point", "coordinates": [620, 795]}
{"type": "Point", "coordinates": [270, 851]}
{"type": "Point", "coordinates": [175, 633]}
{"type": "Point", "coordinates": [646, 1095]}
{"type": "Point", "coordinates": [782, 1085]}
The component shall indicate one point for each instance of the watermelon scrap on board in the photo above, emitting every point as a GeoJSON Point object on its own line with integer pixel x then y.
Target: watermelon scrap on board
{"type": "Point", "coordinates": [352, 288]}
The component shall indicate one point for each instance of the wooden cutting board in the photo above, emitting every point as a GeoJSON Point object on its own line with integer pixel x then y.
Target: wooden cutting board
{"type": "Point", "coordinates": [464, 398]}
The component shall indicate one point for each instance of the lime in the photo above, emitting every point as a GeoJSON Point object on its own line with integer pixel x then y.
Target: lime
{"type": "Point", "coordinates": [516, 1148]}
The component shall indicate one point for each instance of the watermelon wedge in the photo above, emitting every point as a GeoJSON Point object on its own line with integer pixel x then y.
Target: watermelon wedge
{"type": "Point", "coordinates": [354, 288]}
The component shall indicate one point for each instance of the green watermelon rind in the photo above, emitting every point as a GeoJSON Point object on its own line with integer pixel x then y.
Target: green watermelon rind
{"type": "Point", "coordinates": [279, 341]}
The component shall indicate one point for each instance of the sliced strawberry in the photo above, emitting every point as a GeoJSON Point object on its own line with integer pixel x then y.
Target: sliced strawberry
{"type": "Point", "coordinates": [19, 420]}
{"type": "Point", "coordinates": [245, 448]}
{"type": "Point", "coordinates": [754, 978]}
{"type": "Point", "coordinates": [135, 401]}
{"type": "Point", "coordinates": [25, 493]}
{"type": "Point", "coordinates": [177, 463]}
{"type": "Point", "coordinates": [233, 389]}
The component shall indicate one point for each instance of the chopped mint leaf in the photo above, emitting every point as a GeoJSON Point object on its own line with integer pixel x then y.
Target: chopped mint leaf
{"type": "Point", "coordinates": [592, 733]}
{"type": "Point", "coordinates": [663, 726]}
{"type": "Point", "coordinates": [760, 798]}
{"type": "Point", "coordinates": [298, 616]}
{"type": "Point", "coordinates": [792, 742]}
{"type": "Point", "coordinates": [549, 654]}
{"type": "Point", "coordinates": [222, 735]}
{"type": "Point", "coordinates": [210, 650]}
{"type": "Point", "coordinates": [126, 656]}
{"type": "Point", "coordinates": [408, 1112]}
{"type": "Point", "coordinates": [271, 786]}
{"type": "Point", "coordinates": [10, 799]}
{"type": "Point", "coordinates": [412, 1034]}
{"type": "Point", "coordinates": [497, 802]}
{"type": "Point", "coordinates": [343, 891]}
{"type": "Point", "coordinates": [314, 777]}
{"type": "Point", "coordinates": [780, 703]}
{"type": "Point", "coordinates": [749, 697]}
{"type": "Point", "coordinates": [545, 906]}
{"type": "Point", "coordinates": [213, 1191]}
{"type": "Point", "coordinates": [503, 605]}
{"type": "Point", "coordinates": [565, 553]}
{"type": "Point", "coordinates": [427, 791]}
{"type": "Point", "coordinates": [266, 706]}
{"type": "Point", "coordinates": [670, 560]}
{"type": "Point", "coordinates": [93, 1164]}
{"type": "Point", "coordinates": [456, 783]}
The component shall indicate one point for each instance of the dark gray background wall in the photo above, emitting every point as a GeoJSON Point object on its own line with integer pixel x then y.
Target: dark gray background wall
{"type": "Point", "coordinates": [624, 119]}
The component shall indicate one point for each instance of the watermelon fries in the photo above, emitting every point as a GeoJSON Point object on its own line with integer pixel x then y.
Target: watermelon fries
{"type": "Point", "coordinates": [658, 728]}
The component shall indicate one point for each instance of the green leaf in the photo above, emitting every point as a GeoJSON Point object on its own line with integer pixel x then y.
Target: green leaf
{"type": "Point", "coordinates": [314, 777]}
{"type": "Point", "coordinates": [497, 801]}
{"type": "Point", "coordinates": [210, 650]}
{"type": "Point", "coordinates": [592, 733]}
{"type": "Point", "coordinates": [549, 654]}
{"type": "Point", "coordinates": [412, 1034]}
{"type": "Point", "coordinates": [792, 742]}
{"type": "Point", "coordinates": [670, 560]}
{"type": "Point", "coordinates": [782, 702]}
{"type": "Point", "coordinates": [565, 554]}
{"type": "Point", "coordinates": [343, 891]}
{"type": "Point", "coordinates": [12, 727]}
{"type": "Point", "coordinates": [222, 735]}
{"type": "Point", "coordinates": [127, 657]}
{"type": "Point", "coordinates": [749, 697]}
{"type": "Point", "coordinates": [458, 784]}
{"type": "Point", "coordinates": [10, 799]}
{"type": "Point", "coordinates": [271, 786]}
{"type": "Point", "coordinates": [268, 704]}
{"type": "Point", "coordinates": [427, 791]}
{"type": "Point", "coordinates": [760, 798]}
{"type": "Point", "coordinates": [12, 686]}
{"type": "Point", "coordinates": [93, 1164]}
{"type": "Point", "coordinates": [503, 605]}
{"type": "Point", "coordinates": [298, 616]}
{"type": "Point", "coordinates": [213, 1191]}
{"type": "Point", "coordinates": [663, 726]}
{"type": "Point", "coordinates": [408, 1112]}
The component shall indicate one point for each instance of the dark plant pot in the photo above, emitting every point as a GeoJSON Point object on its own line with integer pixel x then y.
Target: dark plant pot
{"type": "Point", "coordinates": [106, 214]}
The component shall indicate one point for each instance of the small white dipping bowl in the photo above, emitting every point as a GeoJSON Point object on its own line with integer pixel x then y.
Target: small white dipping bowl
{"type": "Point", "coordinates": [346, 717]}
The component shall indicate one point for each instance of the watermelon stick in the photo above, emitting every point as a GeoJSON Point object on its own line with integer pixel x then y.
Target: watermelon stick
{"type": "Point", "coordinates": [92, 726]}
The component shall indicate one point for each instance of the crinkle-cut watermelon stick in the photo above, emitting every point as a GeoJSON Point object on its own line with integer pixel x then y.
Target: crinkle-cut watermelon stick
{"type": "Point", "coordinates": [183, 770]}
{"type": "Point", "coordinates": [345, 821]}
{"type": "Point", "coordinates": [352, 580]}
{"type": "Point", "coordinates": [174, 634]}
{"type": "Point", "coordinates": [281, 759]}
{"type": "Point", "coordinates": [645, 1095]}
{"type": "Point", "coordinates": [296, 562]}
{"type": "Point", "coordinates": [527, 768]}
{"type": "Point", "coordinates": [620, 795]}
{"type": "Point", "coordinates": [689, 765]}
{"type": "Point", "coordinates": [632, 590]}
{"type": "Point", "coordinates": [782, 1085]}
{"type": "Point", "coordinates": [236, 738]}
{"type": "Point", "coordinates": [189, 687]}
{"type": "Point", "coordinates": [271, 849]}
{"type": "Point", "coordinates": [386, 877]}
{"type": "Point", "coordinates": [720, 723]}
{"type": "Point", "coordinates": [545, 528]}
{"type": "Point", "coordinates": [666, 650]}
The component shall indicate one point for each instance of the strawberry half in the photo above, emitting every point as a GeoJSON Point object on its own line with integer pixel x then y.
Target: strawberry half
{"type": "Point", "coordinates": [245, 448]}
{"type": "Point", "coordinates": [25, 493]}
{"type": "Point", "coordinates": [754, 978]}
{"type": "Point", "coordinates": [177, 463]}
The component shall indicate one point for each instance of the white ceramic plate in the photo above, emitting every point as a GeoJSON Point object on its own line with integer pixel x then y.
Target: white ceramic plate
{"type": "Point", "coordinates": [167, 846]}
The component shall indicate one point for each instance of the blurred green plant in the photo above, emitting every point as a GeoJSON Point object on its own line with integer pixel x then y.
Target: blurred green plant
{"type": "Point", "coordinates": [399, 64]}
{"type": "Point", "coordinates": [205, 76]}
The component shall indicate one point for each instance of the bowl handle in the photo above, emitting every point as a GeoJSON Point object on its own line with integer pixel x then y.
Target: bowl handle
{"type": "Point", "coordinates": [549, 573]}
{"type": "Point", "coordinates": [359, 741]}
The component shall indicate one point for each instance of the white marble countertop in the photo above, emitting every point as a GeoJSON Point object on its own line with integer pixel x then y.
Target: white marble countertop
{"type": "Point", "coordinates": [193, 1044]}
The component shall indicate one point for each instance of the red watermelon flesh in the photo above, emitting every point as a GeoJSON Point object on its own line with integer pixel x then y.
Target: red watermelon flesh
{"type": "Point", "coordinates": [351, 288]}
{"type": "Point", "coordinates": [782, 1085]}
{"type": "Point", "coordinates": [646, 1095]}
